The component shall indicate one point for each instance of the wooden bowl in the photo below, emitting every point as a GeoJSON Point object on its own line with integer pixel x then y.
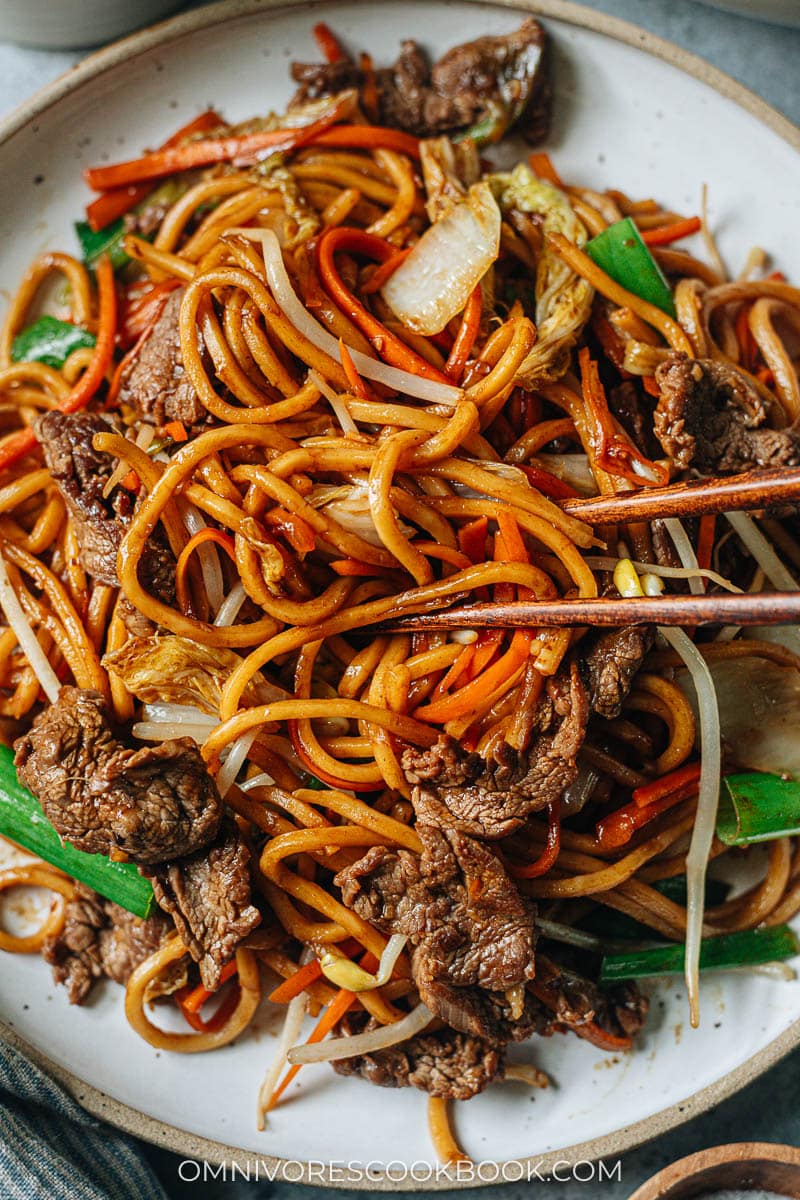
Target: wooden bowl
{"type": "Point", "coordinates": [743, 1165]}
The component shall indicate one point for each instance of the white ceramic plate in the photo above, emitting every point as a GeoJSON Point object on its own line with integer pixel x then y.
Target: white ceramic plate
{"type": "Point", "coordinates": [631, 112]}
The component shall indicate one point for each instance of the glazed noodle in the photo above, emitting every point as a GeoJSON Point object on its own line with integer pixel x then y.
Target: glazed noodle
{"type": "Point", "coordinates": [318, 373]}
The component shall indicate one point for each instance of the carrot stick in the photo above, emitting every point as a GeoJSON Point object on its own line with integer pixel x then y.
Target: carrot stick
{"type": "Point", "coordinates": [353, 567]}
{"type": "Point", "coordinates": [662, 235]}
{"type": "Point", "coordinates": [388, 346]}
{"type": "Point", "coordinates": [548, 484]}
{"type": "Point", "coordinates": [296, 983]}
{"type": "Point", "coordinates": [115, 203]}
{"type": "Point", "coordinates": [368, 137]}
{"type": "Point", "coordinates": [342, 1002]}
{"type": "Point", "coordinates": [513, 543]}
{"type": "Point", "coordinates": [357, 384]}
{"type": "Point", "coordinates": [468, 697]}
{"type": "Point", "coordinates": [197, 997]}
{"type": "Point", "coordinates": [298, 532]}
{"type": "Point", "coordinates": [328, 42]}
{"type": "Point", "coordinates": [175, 430]}
{"type": "Point", "coordinates": [465, 338]}
{"type": "Point", "coordinates": [472, 539]}
{"type": "Point", "coordinates": [685, 776]}
{"type": "Point", "coordinates": [547, 859]}
{"type": "Point", "coordinates": [23, 441]}
{"type": "Point", "coordinates": [619, 827]}
{"type": "Point", "coordinates": [384, 271]}
{"type": "Point", "coordinates": [705, 540]}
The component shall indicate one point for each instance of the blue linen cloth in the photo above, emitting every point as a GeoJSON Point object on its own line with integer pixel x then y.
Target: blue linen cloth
{"type": "Point", "coordinates": [50, 1149]}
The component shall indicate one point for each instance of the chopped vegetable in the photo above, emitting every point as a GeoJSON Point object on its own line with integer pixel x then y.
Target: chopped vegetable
{"type": "Point", "coordinates": [612, 925]}
{"type": "Point", "coordinates": [756, 807]}
{"type": "Point", "coordinates": [622, 254]}
{"type": "Point", "coordinates": [105, 241]}
{"type": "Point", "coordinates": [23, 822]}
{"type": "Point", "coordinates": [747, 948]}
{"type": "Point", "coordinates": [50, 341]}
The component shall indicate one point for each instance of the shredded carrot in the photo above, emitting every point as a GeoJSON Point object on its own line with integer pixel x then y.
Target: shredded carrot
{"type": "Point", "coordinates": [705, 540]}
{"type": "Point", "coordinates": [196, 997]}
{"type": "Point", "coordinates": [328, 42]}
{"type": "Point", "coordinates": [472, 539]}
{"type": "Point", "coordinates": [297, 983]}
{"type": "Point", "coordinates": [342, 1002]}
{"type": "Point", "coordinates": [686, 776]}
{"type": "Point", "coordinates": [618, 827]}
{"type": "Point", "coordinates": [353, 567]}
{"type": "Point", "coordinates": [486, 647]}
{"type": "Point", "coordinates": [513, 542]}
{"type": "Point", "coordinates": [549, 484]}
{"type": "Point", "coordinates": [446, 553]}
{"type": "Point", "coordinates": [357, 385]}
{"type": "Point", "coordinates": [468, 697]}
{"type": "Point", "coordinates": [118, 201]}
{"type": "Point", "coordinates": [662, 235]}
{"type": "Point", "coordinates": [552, 848]}
{"type": "Point", "coordinates": [319, 772]}
{"type": "Point", "coordinates": [370, 100]}
{"type": "Point", "coordinates": [387, 345]}
{"type": "Point", "coordinates": [175, 430]}
{"type": "Point", "coordinates": [203, 535]}
{"type": "Point", "coordinates": [651, 386]}
{"type": "Point", "coordinates": [295, 529]}
{"type": "Point", "coordinates": [465, 338]}
{"type": "Point", "coordinates": [384, 271]}
{"type": "Point", "coordinates": [590, 1030]}
{"type": "Point", "coordinates": [131, 482]}
{"type": "Point", "coordinates": [23, 441]}
{"type": "Point", "coordinates": [457, 669]}
{"type": "Point", "coordinates": [542, 165]}
{"type": "Point", "coordinates": [139, 303]}
{"type": "Point", "coordinates": [368, 137]}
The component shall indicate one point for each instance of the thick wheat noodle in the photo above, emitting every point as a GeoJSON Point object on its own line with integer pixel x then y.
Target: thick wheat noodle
{"type": "Point", "coordinates": [775, 353]}
{"type": "Point", "coordinates": [47, 378]}
{"type": "Point", "coordinates": [247, 981]}
{"type": "Point", "coordinates": [756, 905]}
{"type": "Point", "coordinates": [386, 461]}
{"type": "Point", "coordinates": [37, 875]}
{"type": "Point", "coordinates": [398, 168]}
{"type": "Point", "coordinates": [181, 212]}
{"type": "Point", "coordinates": [81, 303]}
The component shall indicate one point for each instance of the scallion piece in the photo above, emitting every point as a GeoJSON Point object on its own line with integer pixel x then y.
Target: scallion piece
{"type": "Point", "coordinates": [748, 948]}
{"type": "Point", "coordinates": [50, 341]}
{"type": "Point", "coordinates": [23, 822]}
{"type": "Point", "coordinates": [621, 253]}
{"type": "Point", "coordinates": [757, 807]}
{"type": "Point", "coordinates": [106, 241]}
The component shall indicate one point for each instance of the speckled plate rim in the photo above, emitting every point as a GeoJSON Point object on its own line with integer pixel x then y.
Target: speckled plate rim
{"type": "Point", "coordinates": [179, 1141]}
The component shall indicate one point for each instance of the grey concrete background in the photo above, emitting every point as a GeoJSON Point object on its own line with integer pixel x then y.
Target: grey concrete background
{"type": "Point", "coordinates": [766, 59]}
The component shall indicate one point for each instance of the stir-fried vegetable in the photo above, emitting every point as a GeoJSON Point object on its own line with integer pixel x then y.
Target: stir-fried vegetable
{"type": "Point", "coordinates": [622, 254]}
{"type": "Point", "coordinates": [437, 278]}
{"type": "Point", "coordinates": [757, 807]}
{"type": "Point", "coordinates": [105, 241]}
{"type": "Point", "coordinates": [23, 822]}
{"type": "Point", "coordinates": [50, 341]}
{"type": "Point", "coordinates": [563, 299]}
{"type": "Point", "coordinates": [747, 948]}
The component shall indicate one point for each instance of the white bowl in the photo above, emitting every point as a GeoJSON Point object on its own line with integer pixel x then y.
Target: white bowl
{"type": "Point", "coordinates": [62, 24]}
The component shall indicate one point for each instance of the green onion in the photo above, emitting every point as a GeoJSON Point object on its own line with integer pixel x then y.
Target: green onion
{"type": "Point", "coordinates": [106, 241]}
{"type": "Point", "coordinates": [50, 341]}
{"type": "Point", "coordinates": [756, 807]}
{"type": "Point", "coordinates": [621, 253]}
{"type": "Point", "coordinates": [748, 948]}
{"type": "Point", "coordinates": [23, 822]}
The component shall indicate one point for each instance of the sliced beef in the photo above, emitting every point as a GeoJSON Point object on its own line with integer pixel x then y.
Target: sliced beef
{"type": "Point", "coordinates": [708, 416]}
{"type": "Point", "coordinates": [154, 381]}
{"type": "Point", "coordinates": [81, 473]}
{"type": "Point", "coordinates": [154, 803]}
{"type": "Point", "coordinates": [570, 1000]}
{"type": "Point", "coordinates": [505, 80]}
{"type": "Point", "coordinates": [471, 931]}
{"type": "Point", "coordinates": [445, 1063]}
{"type": "Point", "coordinates": [208, 896]}
{"type": "Point", "coordinates": [492, 797]}
{"type": "Point", "coordinates": [611, 664]}
{"type": "Point", "coordinates": [101, 939]}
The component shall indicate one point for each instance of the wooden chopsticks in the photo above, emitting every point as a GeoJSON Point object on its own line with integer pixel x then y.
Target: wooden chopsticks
{"type": "Point", "coordinates": [694, 498]}
{"type": "Point", "coordinates": [762, 608]}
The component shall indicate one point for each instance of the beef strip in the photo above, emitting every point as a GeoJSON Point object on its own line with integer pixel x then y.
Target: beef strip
{"type": "Point", "coordinates": [154, 381]}
{"type": "Point", "coordinates": [455, 1066]}
{"type": "Point", "coordinates": [492, 797]}
{"type": "Point", "coordinates": [479, 80]}
{"type": "Point", "coordinates": [570, 1000]}
{"type": "Point", "coordinates": [611, 663]}
{"type": "Point", "coordinates": [100, 938]}
{"type": "Point", "coordinates": [710, 417]}
{"type": "Point", "coordinates": [154, 803]}
{"type": "Point", "coordinates": [471, 931]}
{"type": "Point", "coordinates": [81, 473]}
{"type": "Point", "coordinates": [208, 896]}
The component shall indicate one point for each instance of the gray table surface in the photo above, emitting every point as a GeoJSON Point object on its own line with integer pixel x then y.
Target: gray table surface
{"type": "Point", "coordinates": [765, 58]}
